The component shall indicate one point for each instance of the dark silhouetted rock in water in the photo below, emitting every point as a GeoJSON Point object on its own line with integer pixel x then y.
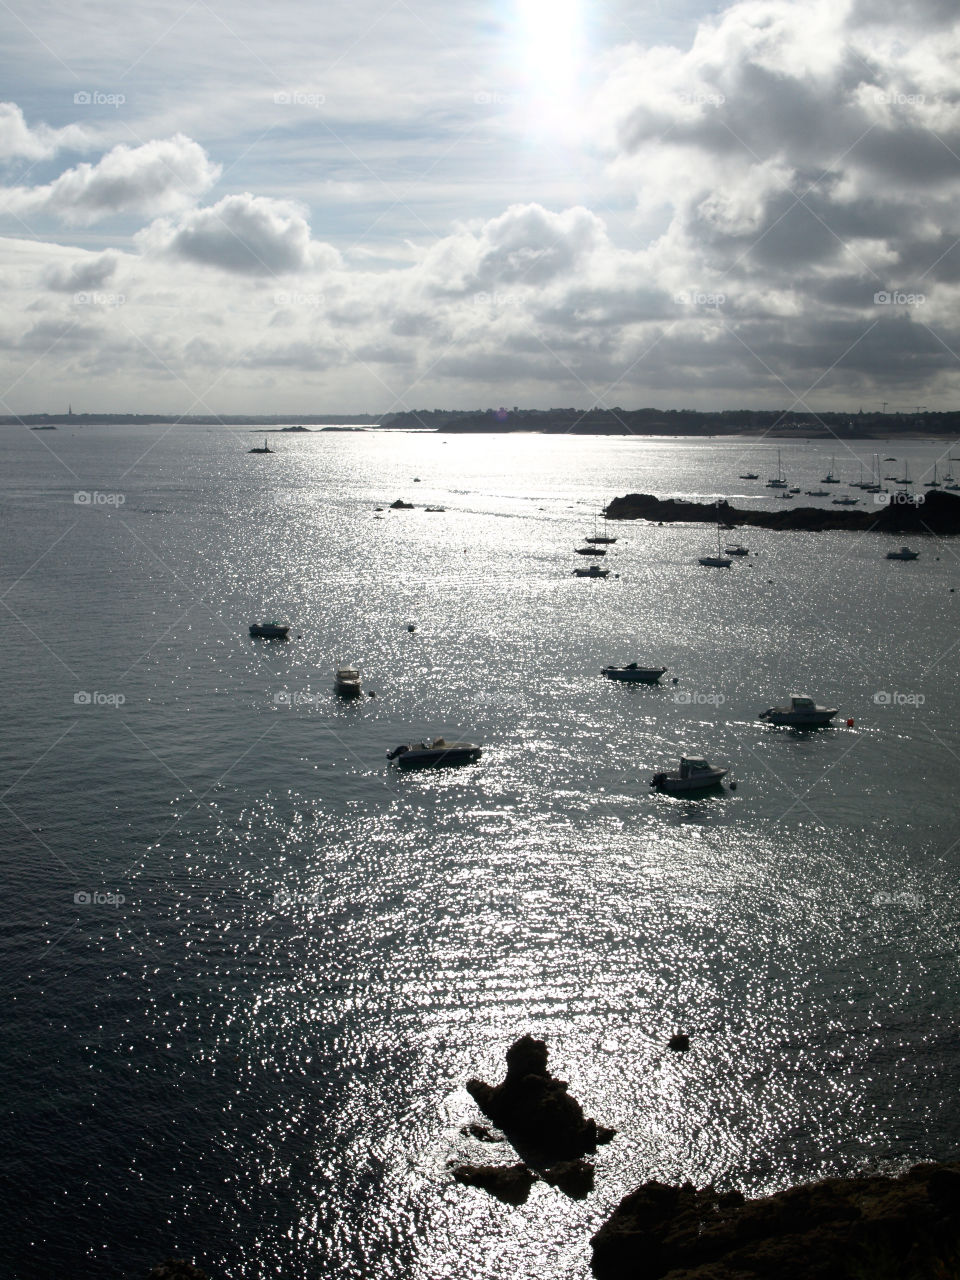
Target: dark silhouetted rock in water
{"type": "Point", "coordinates": [869, 1228]}
{"type": "Point", "coordinates": [176, 1269]}
{"type": "Point", "coordinates": [481, 1132]}
{"type": "Point", "coordinates": [508, 1182]}
{"type": "Point", "coordinates": [937, 513]}
{"type": "Point", "coordinates": [534, 1109]}
{"type": "Point", "coordinates": [679, 1043]}
{"type": "Point", "coordinates": [400, 505]}
{"type": "Point", "coordinates": [573, 1177]}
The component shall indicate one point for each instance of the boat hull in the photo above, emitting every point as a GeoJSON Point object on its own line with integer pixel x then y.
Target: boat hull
{"type": "Point", "coordinates": [267, 631]}
{"type": "Point", "coordinates": [430, 757]}
{"type": "Point", "coordinates": [635, 675]}
{"type": "Point", "coordinates": [673, 785]}
{"type": "Point", "coordinates": [798, 719]}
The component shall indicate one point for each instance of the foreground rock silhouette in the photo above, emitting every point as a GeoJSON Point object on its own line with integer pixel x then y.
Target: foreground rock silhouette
{"type": "Point", "coordinates": [546, 1127]}
{"type": "Point", "coordinates": [868, 1228]}
{"type": "Point", "coordinates": [534, 1110]}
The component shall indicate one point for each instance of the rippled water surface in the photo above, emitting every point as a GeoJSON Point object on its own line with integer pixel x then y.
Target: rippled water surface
{"type": "Point", "coordinates": [257, 1057]}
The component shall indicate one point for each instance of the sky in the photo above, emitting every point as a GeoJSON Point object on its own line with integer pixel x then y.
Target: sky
{"type": "Point", "coordinates": [397, 204]}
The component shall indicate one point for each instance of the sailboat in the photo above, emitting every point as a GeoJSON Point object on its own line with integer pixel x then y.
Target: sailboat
{"type": "Point", "coordinates": [719, 561]}
{"type": "Point", "coordinates": [256, 448]}
{"type": "Point", "coordinates": [781, 480]}
{"type": "Point", "coordinates": [934, 483]}
{"type": "Point", "coordinates": [599, 539]}
{"type": "Point", "coordinates": [830, 478]}
{"type": "Point", "coordinates": [905, 478]}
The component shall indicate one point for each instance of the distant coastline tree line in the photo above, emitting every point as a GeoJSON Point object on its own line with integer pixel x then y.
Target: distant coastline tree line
{"type": "Point", "coordinates": [615, 421]}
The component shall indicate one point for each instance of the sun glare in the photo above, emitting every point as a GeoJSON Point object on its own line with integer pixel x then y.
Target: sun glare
{"type": "Point", "coordinates": [550, 49]}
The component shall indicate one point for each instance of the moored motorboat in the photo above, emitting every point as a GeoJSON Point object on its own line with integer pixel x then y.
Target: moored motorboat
{"type": "Point", "coordinates": [591, 551]}
{"type": "Point", "coordinates": [694, 774]}
{"type": "Point", "coordinates": [736, 549]}
{"type": "Point", "coordinates": [594, 571]}
{"type": "Point", "coordinates": [903, 554]}
{"type": "Point", "coordinates": [438, 752]}
{"type": "Point", "coordinates": [346, 682]}
{"type": "Point", "coordinates": [801, 713]}
{"type": "Point", "coordinates": [634, 673]}
{"type": "Point", "coordinates": [269, 630]}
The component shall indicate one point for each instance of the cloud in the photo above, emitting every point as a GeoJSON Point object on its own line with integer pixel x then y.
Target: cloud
{"type": "Point", "coordinates": [245, 234]}
{"type": "Point", "coordinates": [158, 177]}
{"type": "Point", "coordinates": [38, 143]}
{"type": "Point", "coordinates": [88, 273]}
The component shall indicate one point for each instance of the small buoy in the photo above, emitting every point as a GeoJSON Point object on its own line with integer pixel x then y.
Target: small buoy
{"type": "Point", "coordinates": [679, 1043]}
{"type": "Point", "coordinates": [733, 786]}
{"type": "Point", "coordinates": [676, 679]}
{"type": "Point", "coordinates": [849, 722]}
{"type": "Point", "coordinates": [416, 479]}
{"type": "Point", "coordinates": [953, 588]}
{"type": "Point", "coordinates": [371, 693]}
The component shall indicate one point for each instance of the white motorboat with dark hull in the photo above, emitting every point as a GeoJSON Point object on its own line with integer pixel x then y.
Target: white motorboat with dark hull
{"type": "Point", "coordinates": [269, 630]}
{"type": "Point", "coordinates": [593, 572]}
{"type": "Point", "coordinates": [903, 554]}
{"type": "Point", "coordinates": [694, 774]}
{"type": "Point", "coordinates": [634, 674]}
{"type": "Point", "coordinates": [801, 713]}
{"type": "Point", "coordinates": [346, 682]}
{"type": "Point", "coordinates": [735, 549]}
{"type": "Point", "coordinates": [410, 755]}
{"type": "Point", "coordinates": [591, 551]}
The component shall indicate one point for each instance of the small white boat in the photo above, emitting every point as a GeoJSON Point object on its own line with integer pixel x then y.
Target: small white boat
{"type": "Point", "coordinates": [438, 752]}
{"type": "Point", "coordinates": [594, 571]}
{"type": "Point", "coordinates": [735, 549]}
{"type": "Point", "coordinates": [694, 774]}
{"type": "Point", "coordinates": [802, 713]}
{"type": "Point", "coordinates": [903, 554]}
{"type": "Point", "coordinates": [269, 630]}
{"type": "Point", "coordinates": [845, 501]}
{"type": "Point", "coordinates": [346, 681]}
{"type": "Point", "coordinates": [633, 673]}
{"type": "Point", "coordinates": [818, 493]}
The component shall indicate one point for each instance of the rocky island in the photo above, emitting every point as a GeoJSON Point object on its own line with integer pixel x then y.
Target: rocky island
{"type": "Point", "coordinates": [937, 513]}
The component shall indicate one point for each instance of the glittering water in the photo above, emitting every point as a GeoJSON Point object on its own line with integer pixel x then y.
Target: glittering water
{"type": "Point", "coordinates": [257, 1057]}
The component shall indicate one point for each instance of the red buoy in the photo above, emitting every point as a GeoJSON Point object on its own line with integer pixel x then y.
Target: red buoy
{"type": "Point", "coordinates": [850, 722]}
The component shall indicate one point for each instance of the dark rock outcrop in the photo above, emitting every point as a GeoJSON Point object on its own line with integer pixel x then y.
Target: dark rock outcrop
{"type": "Point", "coordinates": [573, 1177]}
{"type": "Point", "coordinates": [535, 1111]}
{"type": "Point", "coordinates": [176, 1269]}
{"type": "Point", "coordinates": [938, 513]}
{"type": "Point", "coordinates": [400, 505]}
{"type": "Point", "coordinates": [508, 1182]}
{"type": "Point", "coordinates": [905, 1228]}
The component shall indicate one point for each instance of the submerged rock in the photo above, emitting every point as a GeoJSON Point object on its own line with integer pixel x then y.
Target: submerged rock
{"type": "Point", "coordinates": [508, 1182]}
{"type": "Point", "coordinates": [176, 1269]}
{"type": "Point", "coordinates": [535, 1111]}
{"type": "Point", "coordinates": [905, 1228]}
